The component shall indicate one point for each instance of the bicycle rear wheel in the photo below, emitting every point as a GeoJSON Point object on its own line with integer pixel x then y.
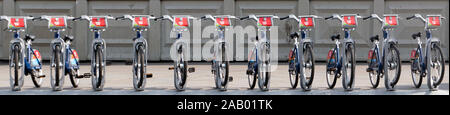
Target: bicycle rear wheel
{"type": "Point", "coordinates": [332, 75]}
{"type": "Point", "coordinates": [293, 72]}
{"type": "Point", "coordinates": [374, 75]}
{"type": "Point", "coordinates": [416, 72]}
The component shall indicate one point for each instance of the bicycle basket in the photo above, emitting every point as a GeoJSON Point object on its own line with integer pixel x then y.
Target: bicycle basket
{"type": "Point", "coordinates": [390, 21]}
{"type": "Point", "coordinates": [17, 23]}
{"type": "Point", "coordinates": [98, 23]}
{"type": "Point", "coordinates": [349, 21]}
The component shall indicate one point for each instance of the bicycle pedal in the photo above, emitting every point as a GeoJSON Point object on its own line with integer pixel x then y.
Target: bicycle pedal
{"type": "Point", "coordinates": [331, 69]}
{"type": "Point", "coordinates": [191, 69]}
{"type": "Point", "coordinates": [171, 68]}
{"type": "Point", "coordinates": [87, 75]}
{"type": "Point", "coordinates": [369, 70]}
{"type": "Point", "coordinates": [249, 72]}
{"type": "Point", "coordinates": [230, 78]}
{"type": "Point", "coordinates": [148, 75]}
{"type": "Point", "coordinates": [41, 76]}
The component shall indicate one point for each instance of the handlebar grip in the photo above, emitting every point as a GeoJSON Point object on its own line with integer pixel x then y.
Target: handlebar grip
{"type": "Point", "coordinates": [243, 18]}
{"type": "Point", "coordinates": [283, 18]}
{"type": "Point", "coordinates": [408, 18]}
{"type": "Point", "coordinates": [159, 18]}
{"type": "Point", "coordinates": [365, 18]}
{"type": "Point", "coordinates": [203, 17]}
{"type": "Point", "coordinates": [120, 18]}
{"type": "Point", "coordinates": [38, 18]}
{"type": "Point", "coordinates": [75, 19]}
{"type": "Point", "coordinates": [327, 18]}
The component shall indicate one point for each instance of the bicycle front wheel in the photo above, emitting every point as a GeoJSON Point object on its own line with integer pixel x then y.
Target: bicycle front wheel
{"type": "Point", "coordinates": [139, 78]}
{"type": "Point", "coordinates": [98, 78]}
{"type": "Point", "coordinates": [57, 69]}
{"type": "Point", "coordinates": [180, 72]}
{"type": "Point", "coordinates": [16, 64]}
{"type": "Point", "coordinates": [307, 77]}
{"type": "Point", "coordinates": [349, 68]}
{"type": "Point", "coordinates": [392, 67]}
{"type": "Point", "coordinates": [223, 69]}
{"type": "Point", "coordinates": [435, 68]}
{"type": "Point", "coordinates": [264, 68]}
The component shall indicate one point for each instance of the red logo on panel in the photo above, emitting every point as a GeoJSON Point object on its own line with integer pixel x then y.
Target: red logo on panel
{"type": "Point", "coordinates": [265, 21]}
{"type": "Point", "coordinates": [391, 20]}
{"type": "Point", "coordinates": [435, 20]}
{"type": "Point", "coordinates": [18, 22]}
{"type": "Point", "coordinates": [182, 21]}
{"type": "Point", "coordinates": [58, 21]}
{"type": "Point", "coordinates": [350, 20]}
{"type": "Point", "coordinates": [141, 21]}
{"type": "Point", "coordinates": [99, 22]}
{"type": "Point", "coordinates": [308, 22]}
{"type": "Point", "coordinates": [223, 21]}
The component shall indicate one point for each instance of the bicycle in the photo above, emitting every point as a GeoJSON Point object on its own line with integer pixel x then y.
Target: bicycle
{"type": "Point", "coordinates": [388, 64]}
{"type": "Point", "coordinates": [259, 68]}
{"type": "Point", "coordinates": [302, 66]}
{"type": "Point", "coordinates": [140, 23]}
{"type": "Point", "coordinates": [97, 24]}
{"type": "Point", "coordinates": [433, 66]}
{"type": "Point", "coordinates": [220, 66]}
{"type": "Point", "coordinates": [64, 59]}
{"type": "Point", "coordinates": [180, 24]}
{"type": "Point", "coordinates": [23, 59]}
{"type": "Point", "coordinates": [342, 64]}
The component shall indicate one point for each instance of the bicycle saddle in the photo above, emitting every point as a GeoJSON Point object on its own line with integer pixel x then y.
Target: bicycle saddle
{"type": "Point", "coordinates": [29, 37]}
{"type": "Point", "coordinates": [373, 38]}
{"type": "Point", "coordinates": [67, 37]}
{"type": "Point", "coordinates": [336, 37]}
{"type": "Point", "coordinates": [294, 35]}
{"type": "Point", "coordinates": [416, 35]}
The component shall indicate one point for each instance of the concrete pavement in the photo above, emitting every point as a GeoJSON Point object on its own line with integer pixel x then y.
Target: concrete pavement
{"type": "Point", "coordinates": [119, 82]}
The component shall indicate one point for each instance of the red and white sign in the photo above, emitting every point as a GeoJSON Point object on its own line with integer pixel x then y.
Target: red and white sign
{"type": "Point", "coordinates": [181, 21]}
{"type": "Point", "coordinates": [265, 21]}
{"type": "Point", "coordinates": [17, 22]}
{"type": "Point", "coordinates": [223, 21]}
